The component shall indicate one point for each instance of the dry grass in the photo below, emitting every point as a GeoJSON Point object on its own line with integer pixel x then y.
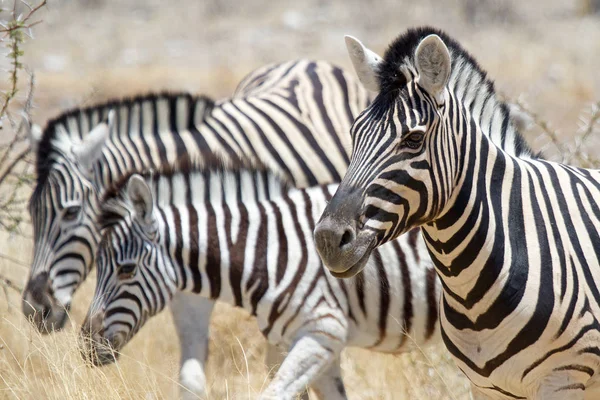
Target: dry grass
{"type": "Point", "coordinates": [545, 56]}
{"type": "Point", "coordinates": [33, 366]}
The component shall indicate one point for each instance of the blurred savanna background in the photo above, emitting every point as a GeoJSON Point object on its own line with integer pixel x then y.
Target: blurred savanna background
{"type": "Point", "coordinates": [543, 54]}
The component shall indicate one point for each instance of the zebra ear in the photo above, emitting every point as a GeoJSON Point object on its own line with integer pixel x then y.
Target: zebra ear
{"type": "Point", "coordinates": [141, 197]}
{"type": "Point", "coordinates": [433, 65]}
{"type": "Point", "coordinates": [365, 62]}
{"type": "Point", "coordinates": [90, 149]}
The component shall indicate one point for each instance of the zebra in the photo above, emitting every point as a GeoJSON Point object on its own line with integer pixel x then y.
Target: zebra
{"type": "Point", "coordinates": [292, 118]}
{"type": "Point", "coordinates": [515, 239]}
{"type": "Point", "coordinates": [245, 238]}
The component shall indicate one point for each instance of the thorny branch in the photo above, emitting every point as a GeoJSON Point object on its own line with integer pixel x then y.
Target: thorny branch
{"type": "Point", "coordinates": [585, 132]}
{"type": "Point", "coordinates": [10, 284]}
{"type": "Point", "coordinates": [13, 33]}
{"type": "Point", "coordinates": [569, 154]}
{"type": "Point", "coordinates": [20, 135]}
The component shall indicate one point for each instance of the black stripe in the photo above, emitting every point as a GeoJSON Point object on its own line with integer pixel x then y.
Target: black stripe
{"type": "Point", "coordinates": [407, 312]}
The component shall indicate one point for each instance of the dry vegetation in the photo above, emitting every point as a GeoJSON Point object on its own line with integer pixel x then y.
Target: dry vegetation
{"type": "Point", "coordinates": [543, 54]}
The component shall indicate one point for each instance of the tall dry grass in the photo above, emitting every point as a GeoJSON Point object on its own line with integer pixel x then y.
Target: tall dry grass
{"type": "Point", "coordinates": [33, 366]}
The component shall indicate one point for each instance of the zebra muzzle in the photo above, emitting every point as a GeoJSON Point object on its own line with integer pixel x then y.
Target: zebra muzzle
{"type": "Point", "coordinates": [95, 347]}
{"type": "Point", "coordinates": [40, 306]}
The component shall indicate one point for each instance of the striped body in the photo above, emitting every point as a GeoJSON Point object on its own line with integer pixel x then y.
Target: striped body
{"type": "Point", "coordinates": [526, 280]}
{"type": "Point", "coordinates": [232, 239]}
{"type": "Point", "coordinates": [515, 239]}
{"type": "Point", "coordinates": [293, 118]}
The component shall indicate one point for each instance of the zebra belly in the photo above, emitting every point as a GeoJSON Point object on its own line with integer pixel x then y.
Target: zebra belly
{"type": "Point", "coordinates": [394, 339]}
{"type": "Point", "coordinates": [283, 318]}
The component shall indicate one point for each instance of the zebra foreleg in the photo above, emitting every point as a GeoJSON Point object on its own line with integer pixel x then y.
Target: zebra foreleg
{"type": "Point", "coordinates": [274, 359]}
{"type": "Point", "coordinates": [191, 315]}
{"type": "Point", "coordinates": [304, 365]}
{"type": "Point", "coordinates": [330, 385]}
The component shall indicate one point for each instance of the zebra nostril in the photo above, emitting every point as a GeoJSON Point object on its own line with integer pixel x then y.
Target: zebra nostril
{"type": "Point", "coordinates": [46, 312]}
{"type": "Point", "coordinates": [347, 238]}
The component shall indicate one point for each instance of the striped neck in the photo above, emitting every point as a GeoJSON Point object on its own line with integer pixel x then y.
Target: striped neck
{"type": "Point", "coordinates": [467, 241]}
{"type": "Point", "coordinates": [476, 92]}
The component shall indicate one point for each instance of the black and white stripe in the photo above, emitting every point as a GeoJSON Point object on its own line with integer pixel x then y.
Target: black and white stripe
{"type": "Point", "coordinates": [515, 239]}
{"type": "Point", "coordinates": [292, 118]}
{"type": "Point", "coordinates": [237, 236]}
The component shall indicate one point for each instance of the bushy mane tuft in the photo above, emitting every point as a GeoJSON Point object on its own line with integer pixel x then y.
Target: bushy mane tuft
{"type": "Point", "coordinates": [45, 149]}
{"type": "Point", "coordinates": [402, 51]}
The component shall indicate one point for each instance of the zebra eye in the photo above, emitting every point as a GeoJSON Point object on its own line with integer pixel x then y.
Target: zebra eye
{"type": "Point", "coordinates": [126, 270]}
{"type": "Point", "coordinates": [71, 213]}
{"type": "Point", "coordinates": [414, 140]}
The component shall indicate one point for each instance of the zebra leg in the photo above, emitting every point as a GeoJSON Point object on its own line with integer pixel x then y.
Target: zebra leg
{"type": "Point", "coordinates": [191, 315]}
{"type": "Point", "coordinates": [274, 359]}
{"type": "Point", "coordinates": [330, 385]}
{"type": "Point", "coordinates": [306, 361]}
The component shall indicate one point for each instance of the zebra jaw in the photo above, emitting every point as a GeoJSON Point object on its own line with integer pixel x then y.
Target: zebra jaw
{"type": "Point", "coordinates": [356, 268]}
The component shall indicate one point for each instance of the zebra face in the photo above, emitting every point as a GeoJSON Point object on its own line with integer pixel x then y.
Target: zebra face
{"type": "Point", "coordinates": [62, 209]}
{"type": "Point", "coordinates": [65, 238]}
{"type": "Point", "coordinates": [390, 186]}
{"type": "Point", "coordinates": [135, 280]}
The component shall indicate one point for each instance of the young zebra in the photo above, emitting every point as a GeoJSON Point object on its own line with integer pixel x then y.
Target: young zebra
{"type": "Point", "coordinates": [293, 118]}
{"type": "Point", "coordinates": [240, 237]}
{"type": "Point", "coordinates": [515, 239]}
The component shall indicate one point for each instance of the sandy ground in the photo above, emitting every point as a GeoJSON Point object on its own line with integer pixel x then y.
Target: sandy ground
{"type": "Point", "coordinates": [543, 52]}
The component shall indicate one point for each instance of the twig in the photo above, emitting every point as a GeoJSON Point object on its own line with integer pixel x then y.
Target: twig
{"type": "Point", "coordinates": [20, 23]}
{"type": "Point", "coordinates": [13, 33]}
{"type": "Point", "coordinates": [10, 284]}
{"type": "Point", "coordinates": [20, 156]}
{"type": "Point", "coordinates": [14, 260]}
{"type": "Point", "coordinates": [586, 131]}
{"type": "Point", "coordinates": [551, 133]}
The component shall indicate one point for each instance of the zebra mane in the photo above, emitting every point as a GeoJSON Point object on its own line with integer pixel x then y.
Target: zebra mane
{"type": "Point", "coordinates": [115, 205]}
{"type": "Point", "coordinates": [466, 77]}
{"type": "Point", "coordinates": [77, 122]}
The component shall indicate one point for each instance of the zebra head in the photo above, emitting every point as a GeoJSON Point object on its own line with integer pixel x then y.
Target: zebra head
{"type": "Point", "coordinates": [135, 280]}
{"type": "Point", "coordinates": [404, 155]}
{"type": "Point", "coordinates": [62, 209]}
